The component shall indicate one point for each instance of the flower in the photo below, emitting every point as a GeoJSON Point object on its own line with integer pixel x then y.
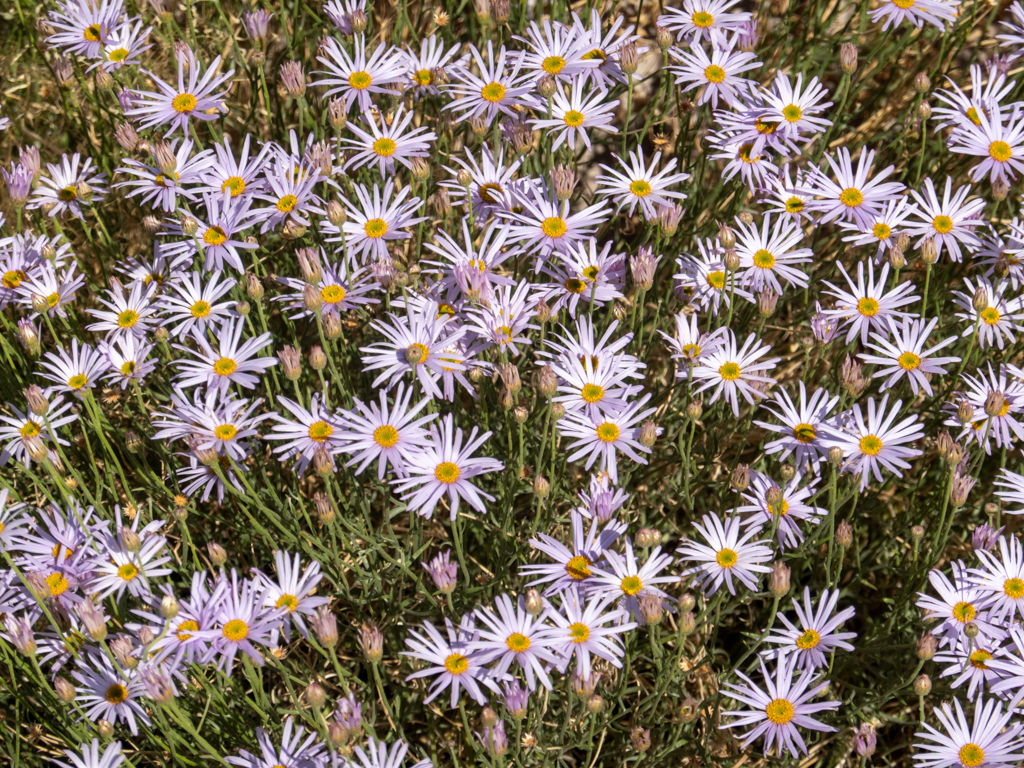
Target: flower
{"type": "Point", "coordinates": [573, 568]}
{"type": "Point", "coordinates": [718, 73]}
{"type": "Point", "coordinates": [195, 98]}
{"type": "Point", "coordinates": [191, 301]}
{"type": "Point", "coordinates": [376, 220]}
{"type": "Point", "coordinates": [801, 425]}
{"type": "Point", "coordinates": [948, 223]}
{"type": "Point", "coordinates": [211, 421]}
{"type": "Point", "coordinates": [867, 306]}
{"type": "Point", "coordinates": [852, 197]}
{"type": "Point", "coordinates": [558, 52]}
{"type": "Point", "coordinates": [641, 184]}
{"type": "Point", "coordinates": [731, 371]}
{"type": "Point", "coordinates": [83, 27]}
{"type": "Point", "coordinates": [601, 435]}
{"type": "Point", "coordinates": [494, 90]}
{"type": "Point", "coordinates": [815, 634]}
{"type": "Point", "coordinates": [75, 371]}
{"type": "Point", "coordinates": [1001, 145]}
{"type": "Point", "coordinates": [868, 445]}
{"type": "Point", "coordinates": [420, 67]}
{"type": "Point", "coordinates": [161, 187]}
{"type": "Point", "coordinates": [295, 751]}
{"type": "Point", "coordinates": [390, 142]}
{"type": "Point", "coordinates": [512, 634]}
{"type": "Point", "coordinates": [881, 229]}
{"type": "Point", "coordinates": [241, 622]}
{"type": "Point", "coordinates": [993, 739]}
{"type": "Point", "coordinates": [546, 225]}
{"type": "Point", "coordinates": [786, 513]}
{"type": "Point", "coordinates": [355, 77]}
{"type": "Point", "coordinates": [314, 429]}
{"type": "Point", "coordinates": [451, 660]}
{"type": "Point", "coordinates": [231, 363]}
{"type": "Point", "coordinates": [125, 315]}
{"type": "Point", "coordinates": [1002, 578]}
{"type": "Point", "coordinates": [997, 320]}
{"type": "Point", "coordinates": [293, 591]}
{"type": "Point", "coordinates": [61, 191]}
{"type": "Point", "coordinates": [703, 17]}
{"type": "Point", "coordinates": [960, 603]}
{"type": "Point", "coordinates": [444, 467]}
{"type": "Point", "coordinates": [906, 356]}
{"type": "Point", "coordinates": [290, 190]}
{"type": "Point", "coordinates": [108, 693]}
{"type": "Point", "coordinates": [623, 578]}
{"type": "Point", "coordinates": [582, 632]}
{"type": "Point", "coordinates": [90, 756]}
{"type": "Point", "coordinates": [795, 108]}
{"type": "Point", "coordinates": [726, 556]}
{"type": "Point", "coordinates": [764, 257]}
{"type": "Point", "coordinates": [780, 707]}
{"type": "Point", "coordinates": [378, 756]}
{"type": "Point", "coordinates": [574, 113]}
{"type": "Point", "coordinates": [895, 12]}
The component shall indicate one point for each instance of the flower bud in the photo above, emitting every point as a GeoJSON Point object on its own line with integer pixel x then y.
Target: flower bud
{"type": "Point", "coordinates": [787, 472]}
{"type": "Point", "coordinates": [687, 602]}
{"type": "Point", "coordinates": [971, 630]}
{"type": "Point", "coordinates": [1000, 189]}
{"type": "Point", "coordinates": [217, 554]}
{"type": "Point", "coordinates": [664, 37]}
{"type": "Point", "coordinates": [848, 58]}
{"type": "Point", "coordinates": [688, 624]}
{"type": "Point", "coordinates": [290, 360]}
{"type": "Point", "coordinates": [595, 703]}
{"type": "Point", "coordinates": [21, 635]}
{"type": "Point", "coordinates": [371, 642]}
{"type": "Point", "coordinates": [740, 480]}
{"type": "Point", "coordinates": [648, 434]}
{"type": "Point", "coordinates": [65, 690]}
{"type": "Point", "coordinates": [323, 462]}
{"type": "Point", "coordinates": [767, 300]}
{"type": "Point", "coordinates": [123, 650]}
{"type": "Point", "coordinates": [336, 114]}
{"type": "Point", "coordinates": [126, 136]}
{"type": "Point", "coordinates": [980, 300]}
{"type": "Point", "coordinates": [169, 607]}
{"type": "Point", "coordinates": [557, 411]}
{"type": "Point", "coordinates": [995, 402]}
{"type": "Point", "coordinates": [641, 739]}
{"type": "Point", "coordinates": [896, 258]}
{"type": "Point", "coordinates": [731, 260]}
{"type": "Point", "coordinates": [689, 709]}
{"type": "Point", "coordinates": [547, 382]}
{"type": "Point", "coordinates": [357, 20]}
{"type": "Point", "coordinates": [520, 414]}
{"type": "Point", "coordinates": [648, 537]}
{"type": "Point", "coordinates": [546, 87]}
{"type": "Point", "coordinates": [563, 179]}
{"type": "Point", "coordinates": [695, 409]}
{"type": "Point", "coordinates": [441, 203]}
{"type": "Point", "coordinates": [316, 695]}
{"type": "Point", "coordinates": [924, 110]}
{"type": "Point", "coordinates": [922, 685]}
{"type": "Point", "coordinates": [332, 326]}
{"type": "Point", "coordinates": [534, 602]}
{"type": "Point", "coordinates": [778, 582]}
{"type": "Point", "coordinates": [865, 740]}
{"type": "Point", "coordinates": [36, 399]}
{"type": "Point", "coordinates": [488, 717]}
{"type": "Point", "coordinates": [917, 532]}
{"type": "Point", "coordinates": [129, 539]}
{"type": "Point", "coordinates": [325, 627]}
{"type": "Point", "coordinates": [317, 358]}
{"type": "Point", "coordinates": [628, 56]}
{"type": "Point", "coordinates": [541, 487]}
{"type": "Point", "coordinates": [189, 226]}
{"type": "Point", "coordinates": [93, 620]}
{"type": "Point", "coordinates": [844, 534]}
{"type": "Point", "coordinates": [929, 253]}
{"type": "Point", "coordinates": [584, 686]}
{"type": "Point", "coordinates": [651, 608]}
{"type": "Point", "coordinates": [921, 83]}
{"type": "Point", "coordinates": [505, 400]}
{"type": "Point", "coordinates": [104, 728]}
{"type": "Point", "coordinates": [927, 645]}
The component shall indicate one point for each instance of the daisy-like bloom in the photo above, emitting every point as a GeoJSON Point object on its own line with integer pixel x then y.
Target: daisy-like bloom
{"type": "Point", "coordinates": [355, 77]}
{"type": "Point", "coordinates": [870, 444]}
{"type": "Point", "coordinates": [786, 514]}
{"type": "Point", "coordinates": [591, 387]}
{"type": "Point", "coordinates": [298, 749]}
{"type": "Point", "coordinates": [83, 27]}
{"type": "Point", "coordinates": [1002, 578]}
{"type": "Point", "coordinates": [122, 48]}
{"type": "Point", "coordinates": [701, 279]}
{"type": "Point", "coordinates": [445, 466]}
{"type": "Point", "coordinates": [391, 434]}
{"type": "Point", "coordinates": [1000, 144]}
{"type": "Point", "coordinates": [200, 480]}
{"type": "Point", "coordinates": [604, 47]}
{"type": "Point", "coordinates": [242, 621]}
{"type": "Point", "coordinates": [992, 740]}
{"type": "Point", "coordinates": [970, 661]}
{"type": "Point", "coordinates": [451, 660]}
{"type": "Point", "coordinates": [125, 315]}
{"type": "Point", "coordinates": [764, 257]}
{"type": "Point", "coordinates": [20, 427]}
{"type": "Point", "coordinates": [794, 108]}
{"type": "Point", "coordinates": [13, 522]}
{"type": "Point", "coordinates": [641, 184]}
{"type": "Point", "coordinates": [574, 114]}
{"type": "Point", "coordinates": [160, 188]}
{"type": "Point", "coordinates": [689, 345]}
{"type": "Point", "coordinates": [906, 356]}
{"type": "Point", "coordinates": [60, 191]}
{"type": "Point", "coordinates": [385, 144]}
{"type": "Point", "coordinates": [895, 12]}
{"type": "Point", "coordinates": [57, 287]}
{"type": "Point", "coordinates": [698, 18]}
{"type": "Point", "coordinates": [239, 176]}
{"type": "Point", "coordinates": [883, 227]}
{"type": "Point", "coordinates": [1003, 428]}
{"type": "Point", "coordinates": [583, 277]}
{"type": "Point", "coordinates": [603, 500]}
{"type": "Point", "coordinates": [194, 302]}
{"type": "Point", "coordinates": [960, 603]}
{"type": "Point", "coordinates": [866, 306]}
{"type": "Point", "coordinates": [195, 97]}
{"type": "Point", "coordinates": [572, 569]}
{"type": "Point", "coordinates": [997, 248]}
{"type": "Point", "coordinates": [780, 708]}
{"type": "Point", "coordinates": [719, 73]}
{"type": "Point", "coordinates": [75, 370]}
{"type": "Point", "coordinates": [627, 580]}
{"type": "Point", "coordinates": [419, 67]}
{"type": "Point", "coordinates": [963, 110]}
{"type": "Point", "coordinates": [461, 261]}
{"type": "Point", "coordinates": [291, 192]}
{"type": "Point", "coordinates": [733, 371]}
{"type": "Point", "coordinates": [546, 225]}
{"type": "Point", "coordinates": [852, 196]}
{"type": "Point", "coordinates": [489, 186]}
{"type": "Point", "coordinates": [378, 756]}
{"type": "Point", "coordinates": [341, 289]}
{"type": "Point", "coordinates": [89, 756]}
{"type": "Point", "coordinates": [556, 51]}
{"type": "Point", "coordinates": [997, 322]}
{"type": "Point", "coordinates": [513, 635]}
{"type": "Point", "coordinates": [220, 238]}
{"type": "Point", "coordinates": [376, 220]}
{"type": "Point", "coordinates": [293, 592]}
{"type": "Point", "coordinates": [603, 435]}
{"type": "Point", "coordinates": [309, 432]}
{"type": "Point", "coordinates": [108, 693]}
{"type": "Point", "coordinates": [495, 90]}
{"type": "Point", "coordinates": [126, 357]}
{"type": "Point", "coordinates": [801, 426]}
{"type": "Point", "coordinates": [788, 195]}
{"type": "Point", "coordinates": [119, 570]}
{"type": "Point", "coordinates": [740, 156]}
{"type": "Point", "coordinates": [231, 363]}
{"type": "Point", "coordinates": [949, 223]}
{"type": "Point", "coordinates": [583, 632]}
{"type": "Point", "coordinates": [727, 556]}
{"type": "Point", "coordinates": [419, 344]}
{"type": "Point", "coordinates": [197, 613]}
{"type": "Point", "coordinates": [503, 321]}
{"type": "Point", "coordinates": [210, 421]}
{"type": "Point", "coordinates": [814, 635]}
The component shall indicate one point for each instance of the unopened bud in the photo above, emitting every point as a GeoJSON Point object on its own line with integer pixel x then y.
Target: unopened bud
{"type": "Point", "coordinates": [740, 480]}
{"type": "Point", "coordinates": [922, 685]}
{"type": "Point", "coordinates": [290, 359]}
{"type": "Point", "coordinates": [848, 58]}
{"type": "Point", "coordinates": [547, 382]}
{"type": "Point", "coordinates": [648, 434]}
{"type": "Point", "coordinates": [924, 110]}
{"type": "Point", "coordinates": [731, 260]}
{"type": "Point", "coordinates": [651, 608]}
{"type": "Point", "coordinates": [695, 409]}
{"type": "Point", "coordinates": [104, 728]}
{"type": "Point", "coordinates": [628, 57]}
{"type": "Point", "coordinates": [129, 539]}
{"type": "Point", "coordinates": [648, 537]}
{"type": "Point", "coordinates": [520, 414]}
{"type": "Point", "coordinates": [844, 535]}
{"type": "Point", "coordinates": [688, 624]}
{"type": "Point", "coordinates": [921, 83]}
{"type": "Point", "coordinates": [778, 581]}
{"type": "Point", "coordinates": [217, 554]}
{"type": "Point", "coordinates": [336, 213]}
{"type": "Point", "coordinates": [546, 87]}
{"type": "Point", "coordinates": [65, 690]}
{"type": "Point", "coordinates": [169, 607]}
{"type": "Point", "coordinates": [927, 645]}
{"type": "Point", "coordinates": [687, 602]}
{"type": "Point", "coordinates": [595, 703]}
{"type": "Point", "coordinates": [896, 258]}
{"type": "Point", "coordinates": [534, 602]}
{"type": "Point", "coordinates": [189, 226]}
{"type": "Point", "coordinates": [541, 487]}
{"type": "Point", "coordinates": [995, 402]}
{"type": "Point", "coordinates": [917, 532]}
{"type": "Point", "coordinates": [787, 472]}
{"type": "Point", "coordinates": [929, 253]}
{"type": "Point", "coordinates": [316, 695]}
{"type": "Point", "coordinates": [767, 300]}
{"type": "Point", "coordinates": [980, 300]}
{"type": "Point", "coordinates": [664, 37]}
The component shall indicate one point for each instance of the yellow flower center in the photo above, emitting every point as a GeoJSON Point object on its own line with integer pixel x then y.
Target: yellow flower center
{"type": "Point", "coordinates": [236, 184]}
{"type": "Point", "coordinates": [225, 366]}
{"type": "Point", "coordinates": [809, 639]}
{"type": "Point", "coordinates": [764, 259]}
{"type": "Point", "coordinates": [703, 19]}
{"type": "Point", "coordinates": [57, 584]}
{"type": "Point", "coordinates": [116, 694]}
{"type": "Point", "coordinates": [78, 381]}
{"type": "Point", "coordinates": [553, 226]}
{"type": "Point", "coordinates": [332, 294]}
{"type": "Point", "coordinates": [632, 585]}
{"type": "Point", "coordinates": [990, 315]}
{"type": "Point", "coordinates": [127, 572]}
{"type": "Point", "coordinates": [424, 77]}
{"type": "Point", "coordinates": [184, 103]}
{"type": "Point", "coordinates": [446, 472]}
{"type": "Point", "coordinates": [691, 351]}
{"type": "Point", "coordinates": [579, 633]}
{"type": "Point", "coordinates": [978, 659]}
{"type": "Point", "coordinates": [384, 146]}
{"type": "Point", "coordinates": [375, 228]}
{"type": "Point", "coordinates": [908, 361]}
{"type": "Point", "coordinates": [575, 285]}
{"type": "Point", "coordinates": [287, 601]}
{"type": "Point", "coordinates": [794, 205]}
{"type": "Point", "coordinates": [870, 445]}
{"type": "Point", "coordinates": [186, 628]}
{"type": "Point", "coordinates": [765, 127]}
{"type": "Point", "coordinates": [716, 279]}
{"type": "Point", "coordinates": [1000, 151]}
{"type": "Point", "coordinates": [608, 432]}
{"type": "Point", "coordinates": [225, 431]}
{"type": "Point", "coordinates": [851, 197]}
{"type": "Point", "coordinates": [729, 371]}
{"type": "Point", "coordinates": [573, 118]}
{"type": "Point", "coordinates": [792, 113]}
{"type": "Point", "coordinates": [127, 319]}
{"type": "Point", "coordinates": [640, 188]}
{"type": "Point", "coordinates": [592, 393]}
{"type": "Point", "coordinates": [236, 630]}
{"type": "Point", "coordinates": [578, 567]}
{"type": "Point", "coordinates": [67, 194]}
{"type": "Point", "coordinates": [287, 203]}
{"type": "Point", "coordinates": [805, 433]}
{"type": "Point", "coordinates": [971, 755]}
{"type": "Point", "coordinates": [597, 53]}
{"type": "Point", "coordinates": [490, 193]}
{"type": "Point", "coordinates": [553, 65]}
{"type": "Point", "coordinates": [714, 74]}
{"type": "Point", "coordinates": [118, 55]}
{"type": "Point", "coordinates": [517, 642]}
{"type": "Point", "coordinates": [964, 612]}
{"type": "Point", "coordinates": [726, 558]}
{"type": "Point", "coordinates": [53, 300]}
{"type": "Point", "coordinates": [320, 431]}
{"type": "Point", "coordinates": [779, 711]}
{"type": "Point", "coordinates": [13, 278]}
{"type": "Point", "coordinates": [385, 436]}
{"type": "Point", "coordinates": [881, 230]}
{"type": "Point", "coordinates": [456, 663]}
{"type": "Point", "coordinates": [359, 80]}
{"type": "Point", "coordinates": [200, 309]}
{"type": "Point", "coordinates": [493, 92]}
{"type": "Point", "coordinates": [972, 115]}
{"type": "Point", "coordinates": [942, 224]}
{"type": "Point", "coordinates": [31, 429]}
{"type": "Point", "coordinates": [92, 33]}
{"type": "Point", "coordinates": [217, 236]}
{"type": "Point", "coordinates": [128, 368]}
{"type": "Point", "coordinates": [1014, 588]}
{"type": "Point", "coordinates": [781, 509]}
{"type": "Point", "coordinates": [868, 306]}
